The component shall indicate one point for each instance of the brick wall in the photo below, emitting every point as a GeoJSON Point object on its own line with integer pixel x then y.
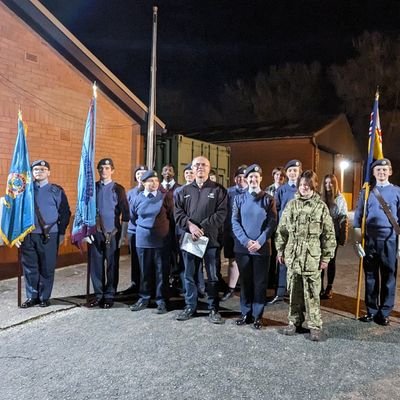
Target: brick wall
{"type": "Point", "coordinates": [54, 98]}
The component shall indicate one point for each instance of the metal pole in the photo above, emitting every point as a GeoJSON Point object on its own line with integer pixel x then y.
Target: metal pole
{"type": "Point", "coordinates": [152, 100]}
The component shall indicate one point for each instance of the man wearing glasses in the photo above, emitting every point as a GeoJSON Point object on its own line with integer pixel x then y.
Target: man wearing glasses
{"type": "Point", "coordinates": [200, 210]}
{"type": "Point", "coordinates": [39, 248]}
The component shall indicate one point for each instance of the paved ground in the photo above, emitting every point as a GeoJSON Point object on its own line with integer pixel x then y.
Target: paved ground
{"type": "Point", "coordinates": [70, 352]}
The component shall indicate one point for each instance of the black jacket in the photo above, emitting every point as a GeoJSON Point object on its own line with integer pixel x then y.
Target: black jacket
{"type": "Point", "coordinates": [205, 207]}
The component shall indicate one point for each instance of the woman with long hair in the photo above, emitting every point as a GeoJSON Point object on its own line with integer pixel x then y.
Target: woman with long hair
{"type": "Point", "coordinates": [336, 203]}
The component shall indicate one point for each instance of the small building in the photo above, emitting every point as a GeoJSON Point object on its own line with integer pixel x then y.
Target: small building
{"type": "Point", "coordinates": [48, 73]}
{"type": "Point", "coordinates": [321, 145]}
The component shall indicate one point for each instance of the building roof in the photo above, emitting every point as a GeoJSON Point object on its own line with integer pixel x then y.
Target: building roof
{"type": "Point", "coordinates": [39, 18]}
{"type": "Point", "coordinates": [261, 130]}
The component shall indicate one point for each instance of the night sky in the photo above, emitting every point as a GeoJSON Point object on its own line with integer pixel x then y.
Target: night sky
{"type": "Point", "coordinates": [203, 44]}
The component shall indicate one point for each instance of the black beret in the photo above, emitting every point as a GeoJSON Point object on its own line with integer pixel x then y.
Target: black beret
{"type": "Point", "coordinates": [187, 167]}
{"type": "Point", "coordinates": [381, 162]}
{"type": "Point", "coordinates": [41, 163]}
{"type": "Point", "coordinates": [240, 170]}
{"type": "Point", "coordinates": [293, 163]}
{"type": "Point", "coordinates": [252, 168]}
{"type": "Point", "coordinates": [149, 174]}
{"type": "Point", "coordinates": [105, 161]}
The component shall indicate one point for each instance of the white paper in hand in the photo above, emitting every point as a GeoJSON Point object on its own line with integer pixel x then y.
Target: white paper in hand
{"type": "Point", "coordinates": [197, 248]}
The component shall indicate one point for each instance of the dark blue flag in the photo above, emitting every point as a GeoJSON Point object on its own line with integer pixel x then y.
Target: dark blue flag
{"type": "Point", "coordinates": [18, 217]}
{"type": "Point", "coordinates": [85, 214]}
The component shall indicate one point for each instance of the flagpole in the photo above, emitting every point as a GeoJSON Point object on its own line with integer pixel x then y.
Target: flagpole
{"type": "Point", "coordinates": [361, 262]}
{"type": "Point", "coordinates": [19, 280]}
{"type": "Point", "coordinates": [152, 100]}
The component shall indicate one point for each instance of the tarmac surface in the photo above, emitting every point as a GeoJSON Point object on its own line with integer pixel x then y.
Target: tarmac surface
{"type": "Point", "coordinates": [67, 351]}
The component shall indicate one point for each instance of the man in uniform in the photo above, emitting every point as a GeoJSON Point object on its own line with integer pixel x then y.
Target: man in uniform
{"type": "Point", "coordinates": [112, 207]}
{"type": "Point", "coordinates": [201, 209]}
{"type": "Point", "coordinates": [283, 195]}
{"type": "Point", "coordinates": [39, 248]}
{"type": "Point", "coordinates": [168, 183]}
{"type": "Point", "coordinates": [135, 268]}
{"type": "Point", "coordinates": [381, 243]}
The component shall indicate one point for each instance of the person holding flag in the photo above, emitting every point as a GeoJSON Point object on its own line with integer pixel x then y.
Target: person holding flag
{"type": "Point", "coordinates": [376, 229]}
{"type": "Point", "coordinates": [39, 249]}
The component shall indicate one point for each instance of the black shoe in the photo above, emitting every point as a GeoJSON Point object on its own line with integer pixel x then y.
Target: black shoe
{"type": "Point", "coordinates": [227, 295]}
{"type": "Point", "coordinates": [215, 317]}
{"type": "Point", "coordinates": [44, 303]}
{"type": "Point", "coordinates": [185, 314]}
{"type": "Point", "coordinates": [131, 290]}
{"type": "Point", "coordinates": [276, 300]}
{"type": "Point", "coordinates": [139, 305]}
{"type": "Point", "coordinates": [244, 320]}
{"type": "Point", "coordinates": [367, 318]}
{"type": "Point", "coordinates": [29, 303]}
{"type": "Point", "coordinates": [95, 303]}
{"type": "Point", "coordinates": [161, 309]}
{"type": "Point", "coordinates": [258, 323]}
{"type": "Point", "coordinates": [327, 294]}
{"type": "Point", "coordinates": [201, 294]}
{"type": "Point", "coordinates": [108, 303]}
{"type": "Point", "coordinates": [381, 320]}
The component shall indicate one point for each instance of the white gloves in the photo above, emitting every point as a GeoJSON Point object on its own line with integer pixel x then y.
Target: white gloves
{"type": "Point", "coordinates": [18, 244]}
{"type": "Point", "coordinates": [88, 239]}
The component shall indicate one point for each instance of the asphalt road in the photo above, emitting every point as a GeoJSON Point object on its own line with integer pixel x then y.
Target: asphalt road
{"type": "Point", "coordinates": [67, 351]}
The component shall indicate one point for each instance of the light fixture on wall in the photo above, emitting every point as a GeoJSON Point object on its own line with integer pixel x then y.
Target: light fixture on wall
{"type": "Point", "coordinates": [344, 164]}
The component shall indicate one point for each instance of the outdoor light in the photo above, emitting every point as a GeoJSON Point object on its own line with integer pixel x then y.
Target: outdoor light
{"type": "Point", "coordinates": [344, 164]}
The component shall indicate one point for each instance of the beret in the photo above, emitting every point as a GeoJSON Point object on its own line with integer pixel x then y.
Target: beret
{"type": "Point", "coordinates": [240, 170]}
{"type": "Point", "coordinates": [41, 163]}
{"type": "Point", "coordinates": [252, 168]}
{"type": "Point", "coordinates": [149, 174]}
{"type": "Point", "coordinates": [293, 163]}
{"type": "Point", "coordinates": [105, 161]}
{"type": "Point", "coordinates": [381, 162]}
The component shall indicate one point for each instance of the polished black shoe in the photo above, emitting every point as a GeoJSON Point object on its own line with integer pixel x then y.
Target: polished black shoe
{"type": "Point", "coordinates": [161, 308]}
{"type": "Point", "coordinates": [133, 289]}
{"type": "Point", "coordinates": [44, 303]}
{"type": "Point", "coordinates": [276, 300]}
{"type": "Point", "coordinates": [108, 303]}
{"type": "Point", "coordinates": [244, 320]}
{"type": "Point", "coordinates": [95, 303]}
{"type": "Point", "coordinates": [258, 324]}
{"type": "Point", "coordinates": [139, 305]}
{"type": "Point", "coordinates": [367, 318]}
{"type": "Point", "coordinates": [215, 317]}
{"type": "Point", "coordinates": [29, 303]}
{"type": "Point", "coordinates": [185, 314]}
{"type": "Point", "coordinates": [227, 295]}
{"type": "Point", "coordinates": [381, 320]}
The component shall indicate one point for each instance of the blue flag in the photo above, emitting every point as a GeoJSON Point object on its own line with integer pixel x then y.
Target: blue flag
{"type": "Point", "coordinates": [85, 213]}
{"type": "Point", "coordinates": [375, 139]}
{"type": "Point", "coordinates": [18, 218]}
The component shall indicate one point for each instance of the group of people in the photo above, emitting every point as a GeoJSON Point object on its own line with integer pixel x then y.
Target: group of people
{"type": "Point", "coordinates": [292, 226]}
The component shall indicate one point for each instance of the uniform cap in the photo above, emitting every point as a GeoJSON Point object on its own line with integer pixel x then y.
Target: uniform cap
{"type": "Point", "coordinates": [252, 168]}
{"type": "Point", "coordinates": [41, 163]}
{"type": "Point", "coordinates": [187, 167]}
{"type": "Point", "coordinates": [240, 170]}
{"type": "Point", "coordinates": [148, 175]}
{"type": "Point", "coordinates": [140, 168]}
{"type": "Point", "coordinates": [381, 162]}
{"type": "Point", "coordinates": [105, 161]}
{"type": "Point", "coordinates": [293, 163]}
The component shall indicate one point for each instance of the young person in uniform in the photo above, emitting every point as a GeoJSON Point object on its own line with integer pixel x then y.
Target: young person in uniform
{"type": "Point", "coordinates": [39, 248]}
{"type": "Point", "coordinates": [254, 221]}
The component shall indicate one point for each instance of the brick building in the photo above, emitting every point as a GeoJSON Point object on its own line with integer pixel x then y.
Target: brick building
{"type": "Point", "coordinates": [47, 72]}
{"type": "Point", "coordinates": [320, 144]}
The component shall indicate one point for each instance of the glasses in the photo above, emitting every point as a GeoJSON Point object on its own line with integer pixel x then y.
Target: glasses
{"type": "Point", "coordinates": [197, 165]}
{"type": "Point", "coordinates": [40, 169]}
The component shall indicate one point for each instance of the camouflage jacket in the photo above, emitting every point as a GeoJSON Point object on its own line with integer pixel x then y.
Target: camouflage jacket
{"type": "Point", "coordinates": [305, 235]}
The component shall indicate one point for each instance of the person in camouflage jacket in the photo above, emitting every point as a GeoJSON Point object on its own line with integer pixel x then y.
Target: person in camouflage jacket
{"type": "Point", "coordinates": [305, 242]}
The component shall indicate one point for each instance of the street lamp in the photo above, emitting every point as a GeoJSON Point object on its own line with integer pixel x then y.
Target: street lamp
{"type": "Point", "coordinates": [344, 164]}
